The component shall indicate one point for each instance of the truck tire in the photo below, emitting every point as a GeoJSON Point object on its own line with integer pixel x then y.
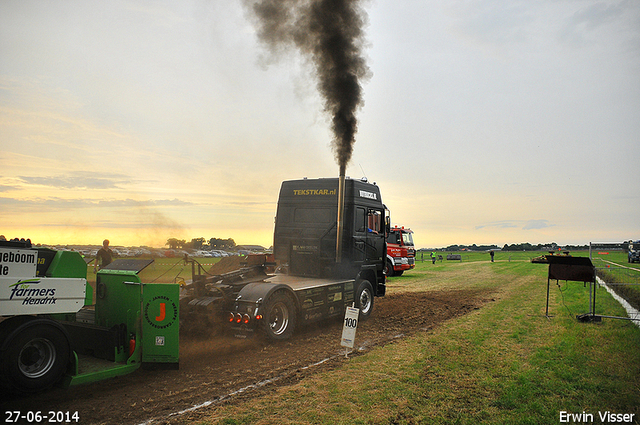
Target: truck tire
{"type": "Point", "coordinates": [36, 358]}
{"type": "Point", "coordinates": [388, 268]}
{"type": "Point", "coordinates": [279, 318]}
{"type": "Point", "coordinates": [364, 299]}
{"type": "Point", "coordinates": [389, 271]}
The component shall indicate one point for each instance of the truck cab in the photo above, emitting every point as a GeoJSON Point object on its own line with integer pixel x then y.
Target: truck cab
{"type": "Point", "coordinates": [306, 230]}
{"type": "Point", "coordinates": [401, 253]}
{"type": "Point", "coordinates": [324, 261]}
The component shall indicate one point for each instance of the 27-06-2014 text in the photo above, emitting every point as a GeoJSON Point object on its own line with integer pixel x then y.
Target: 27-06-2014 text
{"type": "Point", "coordinates": [36, 417]}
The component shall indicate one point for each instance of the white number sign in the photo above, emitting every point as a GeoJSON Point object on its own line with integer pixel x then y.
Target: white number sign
{"type": "Point", "coordinates": [349, 328]}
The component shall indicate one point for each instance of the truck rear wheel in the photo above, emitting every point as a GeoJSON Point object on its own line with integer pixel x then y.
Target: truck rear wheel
{"type": "Point", "coordinates": [35, 359]}
{"type": "Point", "coordinates": [279, 318]}
{"type": "Point", "coordinates": [364, 299]}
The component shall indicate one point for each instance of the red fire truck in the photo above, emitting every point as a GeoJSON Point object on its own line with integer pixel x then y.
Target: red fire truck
{"type": "Point", "coordinates": [401, 254]}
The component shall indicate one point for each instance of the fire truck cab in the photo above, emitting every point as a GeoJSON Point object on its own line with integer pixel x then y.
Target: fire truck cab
{"type": "Point", "coordinates": [401, 253]}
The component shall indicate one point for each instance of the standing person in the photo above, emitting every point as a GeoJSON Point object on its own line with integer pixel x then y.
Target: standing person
{"type": "Point", "coordinates": [104, 255]}
{"type": "Point", "coordinates": [491, 253]}
{"type": "Point", "coordinates": [433, 257]}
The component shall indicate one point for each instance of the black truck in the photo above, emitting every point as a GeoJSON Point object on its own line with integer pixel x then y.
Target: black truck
{"type": "Point", "coordinates": [324, 259]}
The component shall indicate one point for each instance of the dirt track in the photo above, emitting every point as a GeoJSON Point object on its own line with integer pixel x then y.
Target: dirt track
{"type": "Point", "coordinates": [230, 370]}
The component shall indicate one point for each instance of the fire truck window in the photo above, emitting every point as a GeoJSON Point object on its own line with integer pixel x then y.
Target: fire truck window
{"type": "Point", "coordinates": [360, 220]}
{"type": "Point", "coordinates": [407, 238]}
{"type": "Point", "coordinates": [394, 238]}
{"type": "Point", "coordinates": [314, 215]}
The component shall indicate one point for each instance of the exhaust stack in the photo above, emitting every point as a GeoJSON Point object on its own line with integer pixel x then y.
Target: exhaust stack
{"type": "Point", "coordinates": [340, 217]}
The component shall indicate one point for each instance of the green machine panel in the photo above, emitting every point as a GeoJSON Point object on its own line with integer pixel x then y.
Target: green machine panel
{"type": "Point", "coordinates": [118, 296]}
{"type": "Point", "coordinates": [160, 323]}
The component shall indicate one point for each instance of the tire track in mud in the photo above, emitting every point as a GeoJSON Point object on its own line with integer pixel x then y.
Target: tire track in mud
{"type": "Point", "coordinates": [223, 369]}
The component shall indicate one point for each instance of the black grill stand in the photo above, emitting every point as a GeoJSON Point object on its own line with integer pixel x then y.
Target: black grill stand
{"type": "Point", "coordinates": [578, 269]}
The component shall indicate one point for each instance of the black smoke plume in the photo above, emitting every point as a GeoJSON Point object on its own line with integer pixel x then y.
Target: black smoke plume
{"type": "Point", "coordinates": [330, 33]}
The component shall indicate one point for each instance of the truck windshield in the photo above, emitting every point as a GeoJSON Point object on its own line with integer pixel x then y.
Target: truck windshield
{"type": "Point", "coordinates": [407, 238]}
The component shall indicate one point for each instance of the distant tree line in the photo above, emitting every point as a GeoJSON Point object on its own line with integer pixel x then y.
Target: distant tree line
{"type": "Point", "coordinates": [473, 247]}
{"type": "Point", "coordinates": [529, 247]}
{"type": "Point", "coordinates": [516, 247]}
{"type": "Point", "coordinates": [543, 247]}
{"type": "Point", "coordinates": [201, 243]}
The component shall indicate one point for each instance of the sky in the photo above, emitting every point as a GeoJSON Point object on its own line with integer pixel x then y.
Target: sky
{"type": "Point", "coordinates": [486, 122]}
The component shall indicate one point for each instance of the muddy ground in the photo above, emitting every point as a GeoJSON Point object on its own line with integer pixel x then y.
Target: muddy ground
{"type": "Point", "coordinates": [227, 370]}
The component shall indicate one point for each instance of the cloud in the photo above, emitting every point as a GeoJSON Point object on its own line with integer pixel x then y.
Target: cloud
{"type": "Point", "coordinates": [497, 23]}
{"type": "Point", "coordinates": [536, 224]}
{"type": "Point", "coordinates": [498, 224]}
{"type": "Point", "coordinates": [598, 14]}
{"type": "Point", "coordinates": [147, 203]}
{"type": "Point", "coordinates": [589, 23]}
{"type": "Point", "coordinates": [159, 222]}
{"type": "Point", "coordinates": [48, 204]}
{"type": "Point", "coordinates": [75, 203]}
{"type": "Point", "coordinates": [514, 224]}
{"type": "Point", "coordinates": [78, 181]}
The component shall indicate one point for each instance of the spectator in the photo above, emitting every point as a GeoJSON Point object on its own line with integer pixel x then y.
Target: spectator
{"type": "Point", "coordinates": [104, 256]}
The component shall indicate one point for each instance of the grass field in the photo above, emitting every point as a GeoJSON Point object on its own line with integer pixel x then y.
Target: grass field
{"type": "Point", "coordinates": [505, 363]}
